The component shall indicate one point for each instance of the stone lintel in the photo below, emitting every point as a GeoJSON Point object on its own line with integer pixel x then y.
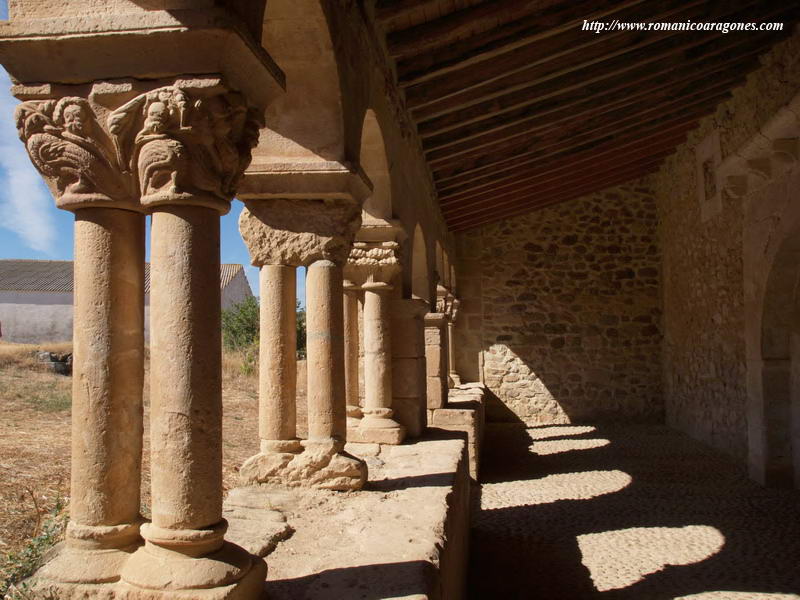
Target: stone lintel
{"type": "Point", "coordinates": [435, 319]}
{"type": "Point", "coordinates": [128, 41]}
{"type": "Point", "coordinates": [326, 180]}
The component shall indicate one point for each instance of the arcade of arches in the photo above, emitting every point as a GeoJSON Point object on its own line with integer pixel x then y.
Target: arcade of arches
{"type": "Point", "coordinates": [509, 226]}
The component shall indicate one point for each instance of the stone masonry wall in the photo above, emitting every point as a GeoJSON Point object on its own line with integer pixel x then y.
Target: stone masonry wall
{"type": "Point", "coordinates": [564, 305]}
{"type": "Point", "coordinates": [704, 274]}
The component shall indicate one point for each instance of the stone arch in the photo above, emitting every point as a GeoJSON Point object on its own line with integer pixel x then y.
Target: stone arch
{"type": "Point", "coordinates": [780, 366]}
{"type": "Point", "coordinates": [440, 264]}
{"type": "Point", "coordinates": [420, 279]}
{"type": "Point", "coordinates": [307, 123]}
{"type": "Point", "coordinates": [375, 165]}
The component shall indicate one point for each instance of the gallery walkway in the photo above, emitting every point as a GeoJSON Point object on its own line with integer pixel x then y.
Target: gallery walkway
{"type": "Point", "coordinates": [634, 513]}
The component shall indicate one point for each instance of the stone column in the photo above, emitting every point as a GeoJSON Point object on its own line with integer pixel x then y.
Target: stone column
{"type": "Point", "coordinates": [351, 349]}
{"type": "Point", "coordinates": [373, 264]}
{"type": "Point", "coordinates": [108, 337]}
{"type": "Point", "coordinates": [318, 235]}
{"type": "Point", "coordinates": [188, 150]}
{"type": "Point", "coordinates": [436, 359]}
{"type": "Point", "coordinates": [453, 378]}
{"type": "Point", "coordinates": [408, 364]}
{"type": "Point", "coordinates": [277, 410]}
{"type": "Point", "coordinates": [378, 426]}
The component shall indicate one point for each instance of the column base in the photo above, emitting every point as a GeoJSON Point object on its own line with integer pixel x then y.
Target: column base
{"type": "Point", "coordinates": [354, 415]}
{"type": "Point", "coordinates": [377, 427]}
{"type": "Point", "coordinates": [321, 464]}
{"type": "Point", "coordinates": [184, 564]}
{"type": "Point", "coordinates": [91, 555]}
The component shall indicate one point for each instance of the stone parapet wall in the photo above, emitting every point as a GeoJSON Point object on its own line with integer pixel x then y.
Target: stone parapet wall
{"type": "Point", "coordinates": [562, 305]}
{"type": "Point", "coordinates": [705, 277]}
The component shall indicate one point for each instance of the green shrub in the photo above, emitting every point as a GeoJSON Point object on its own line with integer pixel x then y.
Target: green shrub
{"type": "Point", "coordinates": [240, 324]}
{"type": "Point", "coordinates": [240, 329]}
{"type": "Point", "coordinates": [17, 566]}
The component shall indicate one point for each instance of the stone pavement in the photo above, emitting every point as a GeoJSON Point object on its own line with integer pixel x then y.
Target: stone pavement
{"type": "Point", "coordinates": [629, 513]}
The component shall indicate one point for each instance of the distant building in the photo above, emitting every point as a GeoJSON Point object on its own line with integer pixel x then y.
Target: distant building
{"type": "Point", "coordinates": [36, 298]}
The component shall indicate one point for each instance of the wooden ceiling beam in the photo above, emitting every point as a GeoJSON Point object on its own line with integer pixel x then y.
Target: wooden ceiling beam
{"type": "Point", "coordinates": [493, 214]}
{"type": "Point", "coordinates": [660, 132]}
{"type": "Point", "coordinates": [585, 164]}
{"type": "Point", "coordinates": [670, 53]}
{"type": "Point", "coordinates": [389, 11]}
{"type": "Point", "coordinates": [425, 37]}
{"type": "Point", "coordinates": [568, 48]}
{"type": "Point", "coordinates": [607, 153]}
{"type": "Point", "coordinates": [598, 115]}
{"type": "Point", "coordinates": [572, 140]}
{"type": "Point", "coordinates": [554, 184]}
{"type": "Point", "coordinates": [624, 93]}
{"type": "Point", "coordinates": [542, 25]}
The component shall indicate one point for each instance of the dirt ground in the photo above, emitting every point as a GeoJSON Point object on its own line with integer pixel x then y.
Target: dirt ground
{"type": "Point", "coordinates": [35, 437]}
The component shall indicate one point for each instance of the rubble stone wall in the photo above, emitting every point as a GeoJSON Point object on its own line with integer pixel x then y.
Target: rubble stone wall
{"type": "Point", "coordinates": [563, 304]}
{"type": "Point", "coordinates": [705, 278]}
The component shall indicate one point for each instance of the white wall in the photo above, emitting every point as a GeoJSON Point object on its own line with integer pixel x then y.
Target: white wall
{"type": "Point", "coordinates": [32, 317]}
{"type": "Point", "coordinates": [35, 317]}
{"type": "Point", "coordinates": [236, 291]}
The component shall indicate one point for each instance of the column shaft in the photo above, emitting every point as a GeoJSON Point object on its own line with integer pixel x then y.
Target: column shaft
{"type": "Point", "coordinates": [185, 377]}
{"type": "Point", "coordinates": [451, 354]}
{"type": "Point", "coordinates": [351, 348]}
{"type": "Point", "coordinates": [278, 354]}
{"type": "Point", "coordinates": [377, 350]}
{"type": "Point", "coordinates": [325, 352]}
{"type": "Point", "coordinates": [108, 366]}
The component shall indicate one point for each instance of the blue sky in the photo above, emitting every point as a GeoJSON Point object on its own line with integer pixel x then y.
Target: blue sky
{"type": "Point", "coordinates": [32, 227]}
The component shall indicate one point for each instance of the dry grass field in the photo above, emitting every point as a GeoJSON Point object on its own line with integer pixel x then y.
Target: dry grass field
{"type": "Point", "coordinates": [35, 439]}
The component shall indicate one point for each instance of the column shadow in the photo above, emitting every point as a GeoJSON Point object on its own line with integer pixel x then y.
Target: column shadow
{"type": "Point", "coordinates": [646, 483]}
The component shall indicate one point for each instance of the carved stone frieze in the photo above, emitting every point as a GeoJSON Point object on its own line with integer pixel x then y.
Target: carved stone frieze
{"type": "Point", "coordinates": [170, 145]}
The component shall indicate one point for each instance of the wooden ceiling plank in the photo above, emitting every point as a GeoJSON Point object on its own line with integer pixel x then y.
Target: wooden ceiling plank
{"type": "Point", "coordinates": [625, 93]}
{"type": "Point", "coordinates": [388, 12]}
{"type": "Point", "coordinates": [425, 37]}
{"type": "Point", "coordinates": [672, 53]}
{"type": "Point", "coordinates": [569, 47]}
{"type": "Point", "coordinates": [586, 163]}
{"type": "Point", "coordinates": [609, 152]}
{"type": "Point", "coordinates": [607, 134]}
{"type": "Point", "coordinates": [598, 117]}
{"type": "Point", "coordinates": [602, 122]}
{"type": "Point", "coordinates": [568, 180]}
{"type": "Point", "coordinates": [661, 131]}
{"type": "Point", "coordinates": [493, 214]}
{"type": "Point", "coordinates": [506, 38]}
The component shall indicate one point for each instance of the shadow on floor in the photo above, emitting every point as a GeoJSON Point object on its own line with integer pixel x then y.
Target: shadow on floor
{"type": "Point", "coordinates": [369, 582]}
{"type": "Point", "coordinates": [640, 512]}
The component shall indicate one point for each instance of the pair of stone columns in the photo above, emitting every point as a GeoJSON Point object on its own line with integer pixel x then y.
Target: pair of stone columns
{"type": "Point", "coordinates": [439, 348]}
{"type": "Point", "coordinates": [371, 269]}
{"type": "Point", "coordinates": [174, 151]}
{"type": "Point", "coordinates": [282, 234]}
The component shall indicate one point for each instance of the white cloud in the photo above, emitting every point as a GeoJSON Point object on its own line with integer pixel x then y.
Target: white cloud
{"type": "Point", "coordinates": [26, 206]}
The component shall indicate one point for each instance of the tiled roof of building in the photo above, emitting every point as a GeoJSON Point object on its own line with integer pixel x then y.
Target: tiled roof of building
{"type": "Point", "coordinates": [17, 275]}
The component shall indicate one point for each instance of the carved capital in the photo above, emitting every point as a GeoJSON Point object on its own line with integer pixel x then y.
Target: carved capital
{"type": "Point", "coordinates": [74, 153]}
{"type": "Point", "coordinates": [442, 302]}
{"type": "Point", "coordinates": [188, 142]}
{"type": "Point", "coordinates": [373, 263]}
{"type": "Point", "coordinates": [185, 145]}
{"type": "Point", "coordinates": [284, 231]}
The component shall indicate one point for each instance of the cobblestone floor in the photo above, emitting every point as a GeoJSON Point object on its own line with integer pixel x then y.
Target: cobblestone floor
{"type": "Point", "coordinates": [626, 513]}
